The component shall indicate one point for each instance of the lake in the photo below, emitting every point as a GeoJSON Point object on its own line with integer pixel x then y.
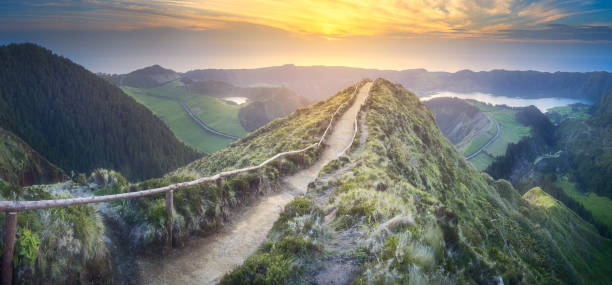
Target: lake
{"type": "Point", "coordinates": [237, 100]}
{"type": "Point", "coordinates": [541, 103]}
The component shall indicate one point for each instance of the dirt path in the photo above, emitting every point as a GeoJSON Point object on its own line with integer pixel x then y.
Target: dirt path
{"type": "Point", "coordinates": [204, 261]}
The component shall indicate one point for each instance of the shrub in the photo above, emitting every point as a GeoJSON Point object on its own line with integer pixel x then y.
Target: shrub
{"type": "Point", "coordinates": [264, 268]}
{"type": "Point", "coordinates": [26, 247]}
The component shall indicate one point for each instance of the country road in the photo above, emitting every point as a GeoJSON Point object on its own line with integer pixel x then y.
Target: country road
{"type": "Point", "coordinates": [206, 260]}
{"type": "Point", "coordinates": [202, 124]}
{"type": "Point", "coordinates": [488, 143]}
{"type": "Point", "coordinates": [196, 119]}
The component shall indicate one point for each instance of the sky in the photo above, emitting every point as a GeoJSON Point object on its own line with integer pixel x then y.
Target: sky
{"type": "Point", "coordinates": [439, 35]}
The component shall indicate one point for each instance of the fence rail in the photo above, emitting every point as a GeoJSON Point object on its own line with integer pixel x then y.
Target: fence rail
{"type": "Point", "coordinates": [12, 207]}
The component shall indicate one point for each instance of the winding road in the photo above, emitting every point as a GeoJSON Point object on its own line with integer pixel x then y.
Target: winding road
{"type": "Point", "coordinates": [206, 260]}
{"type": "Point", "coordinates": [194, 117]}
{"type": "Point", "coordinates": [202, 124]}
{"type": "Point", "coordinates": [488, 143]}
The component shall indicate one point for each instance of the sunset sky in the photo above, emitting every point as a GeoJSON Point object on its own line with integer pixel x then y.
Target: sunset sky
{"type": "Point", "coordinates": [119, 36]}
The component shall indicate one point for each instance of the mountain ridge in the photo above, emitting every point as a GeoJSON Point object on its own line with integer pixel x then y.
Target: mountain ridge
{"type": "Point", "coordinates": [79, 121]}
{"type": "Point", "coordinates": [407, 206]}
{"type": "Point", "coordinates": [316, 82]}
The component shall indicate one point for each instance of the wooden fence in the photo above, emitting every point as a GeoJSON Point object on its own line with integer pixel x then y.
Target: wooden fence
{"type": "Point", "coordinates": [12, 207]}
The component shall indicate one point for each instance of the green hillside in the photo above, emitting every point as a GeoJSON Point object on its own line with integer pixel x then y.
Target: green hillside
{"type": "Point", "coordinates": [589, 144]}
{"type": "Point", "coordinates": [79, 121]}
{"type": "Point", "coordinates": [469, 125]}
{"type": "Point", "coordinates": [461, 122]}
{"type": "Point", "coordinates": [599, 206]}
{"type": "Point", "coordinates": [264, 103]}
{"type": "Point", "coordinates": [511, 132]}
{"type": "Point", "coordinates": [214, 112]}
{"type": "Point", "coordinates": [572, 112]}
{"type": "Point", "coordinates": [205, 100]}
{"type": "Point", "coordinates": [406, 208]}
{"type": "Point", "coordinates": [183, 127]}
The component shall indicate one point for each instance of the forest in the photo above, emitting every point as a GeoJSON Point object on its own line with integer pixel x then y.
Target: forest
{"type": "Point", "coordinates": [79, 121]}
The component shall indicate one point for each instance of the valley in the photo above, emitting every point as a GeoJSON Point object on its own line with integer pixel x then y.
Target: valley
{"type": "Point", "coordinates": [480, 131]}
{"type": "Point", "coordinates": [212, 111]}
{"type": "Point", "coordinates": [538, 147]}
{"type": "Point", "coordinates": [510, 131]}
{"type": "Point", "coordinates": [213, 107]}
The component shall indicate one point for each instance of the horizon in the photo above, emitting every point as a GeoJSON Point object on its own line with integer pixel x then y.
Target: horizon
{"type": "Point", "coordinates": [352, 67]}
{"type": "Point", "coordinates": [118, 37]}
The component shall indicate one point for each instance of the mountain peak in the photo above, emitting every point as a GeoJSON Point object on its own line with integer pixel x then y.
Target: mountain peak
{"type": "Point", "coordinates": [148, 77]}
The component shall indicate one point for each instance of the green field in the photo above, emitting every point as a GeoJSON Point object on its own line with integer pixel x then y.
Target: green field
{"type": "Point", "coordinates": [214, 112]}
{"type": "Point", "coordinates": [511, 132]}
{"type": "Point", "coordinates": [599, 206]}
{"type": "Point", "coordinates": [183, 127]}
{"type": "Point", "coordinates": [217, 114]}
{"type": "Point", "coordinates": [575, 112]}
{"type": "Point", "coordinates": [175, 89]}
{"type": "Point", "coordinates": [482, 161]}
{"type": "Point", "coordinates": [480, 140]}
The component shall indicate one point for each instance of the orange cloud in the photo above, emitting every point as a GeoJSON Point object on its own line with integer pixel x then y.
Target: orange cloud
{"type": "Point", "coordinates": [332, 19]}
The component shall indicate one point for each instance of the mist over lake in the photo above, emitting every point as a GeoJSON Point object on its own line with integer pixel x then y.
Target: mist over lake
{"type": "Point", "coordinates": [541, 103]}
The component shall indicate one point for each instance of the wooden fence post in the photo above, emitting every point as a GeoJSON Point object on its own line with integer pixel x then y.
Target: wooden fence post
{"type": "Point", "coordinates": [303, 159]}
{"type": "Point", "coordinates": [169, 206]}
{"type": "Point", "coordinates": [259, 175]}
{"type": "Point", "coordinates": [220, 185]}
{"type": "Point", "coordinates": [10, 229]}
{"type": "Point", "coordinates": [221, 199]}
{"type": "Point", "coordinates": [279, 164]}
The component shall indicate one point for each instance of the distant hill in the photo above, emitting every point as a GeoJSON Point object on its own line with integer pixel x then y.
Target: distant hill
{"type": "Point", "coordinates": [79, 121]}
{"type": "Point", "coordinates": [147, 77]}
{"type": "Point", "coordinates": [318, 82]}
{"type": "Point", "coordinates": [21, 165]}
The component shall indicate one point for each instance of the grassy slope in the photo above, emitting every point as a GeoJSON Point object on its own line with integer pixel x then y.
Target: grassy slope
{"type": "Point", "coordinates": [599, 206]}
{"type": "Point", "coordinates": [451, 225]}
{"type": "Point", "coordinates": [21, 165]}
{"type": "Point", "coordinates": [511, 132]}
{"type": "Point", "coordinates": [183, 127]}
{"type": "Point", "coordinates": [575, 112]}
{"type": "Point", "coordinates": [57, 246]}
{"type": "Point", "coordinates": [216, 113]}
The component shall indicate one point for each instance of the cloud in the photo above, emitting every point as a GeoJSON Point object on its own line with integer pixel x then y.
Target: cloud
{"type": "Point", "coordinates": [542, 12]}
{"type": "Point", "coordinates": [559, 32]}
{"type": "Point", "coordinates": [335, 19]}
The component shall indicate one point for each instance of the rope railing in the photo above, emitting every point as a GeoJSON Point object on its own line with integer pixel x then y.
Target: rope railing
{"type": "Point", "coordinates": [356, 127]}
{"type": "Point", "coordinates": [12, 207]}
